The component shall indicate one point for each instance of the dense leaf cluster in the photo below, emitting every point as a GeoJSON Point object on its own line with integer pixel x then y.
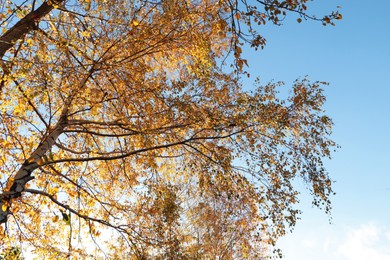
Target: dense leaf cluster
{"type": "Point", "coordinates": [124, 134]}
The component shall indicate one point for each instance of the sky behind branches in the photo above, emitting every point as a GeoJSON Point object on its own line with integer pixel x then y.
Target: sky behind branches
{"type": "Point", "coordinates": [354, 57]}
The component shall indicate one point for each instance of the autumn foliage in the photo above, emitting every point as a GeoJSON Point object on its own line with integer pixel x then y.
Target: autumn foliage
{"type": "Point", "coordinates": [125, 133]}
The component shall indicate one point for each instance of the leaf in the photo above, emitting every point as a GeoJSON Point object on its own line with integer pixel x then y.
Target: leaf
{"type": "Point", "coordinates": [41, 161]}
{"type": "Point", "coordinates": [29, 42]}
{"type": "Point", "coordinates": [87, 5]}
{"type": "Point", "coordinates": [65, 217]}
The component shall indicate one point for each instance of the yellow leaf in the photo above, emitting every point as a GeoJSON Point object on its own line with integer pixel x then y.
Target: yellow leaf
{"type": "Point", "coordinates": [40, 162]}
{"type": "Point", "coordinates": [85, 33]}
{"type": "Point", "coordinates": [135, 23]}
{"type": "Point", "coordinates": [29, 42]}
{"type": "Point", "coordinates": [88, 5]}
{"type": "Point", "coordinates": [4, 207]}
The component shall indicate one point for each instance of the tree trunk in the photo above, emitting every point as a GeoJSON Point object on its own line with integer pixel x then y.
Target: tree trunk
{"type": "Point", "coordinates": [23, 176]}
{"type": "Point", "coordinates": [22, 27]}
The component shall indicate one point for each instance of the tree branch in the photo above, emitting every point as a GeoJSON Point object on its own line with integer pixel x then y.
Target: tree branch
{"type": "Point", "coordinates": [25, 25]}
{"type": "Point", "coordinates": [157, 147]}
{"type": "Point", "coordinates": [23, 176]}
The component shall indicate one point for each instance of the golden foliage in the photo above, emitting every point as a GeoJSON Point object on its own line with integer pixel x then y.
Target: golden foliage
{"type": "Point", "coordinates": [121, 119]}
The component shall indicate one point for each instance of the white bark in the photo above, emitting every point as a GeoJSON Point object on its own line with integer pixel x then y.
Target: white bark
{"type": "Point", "coordinates": [23, 176]}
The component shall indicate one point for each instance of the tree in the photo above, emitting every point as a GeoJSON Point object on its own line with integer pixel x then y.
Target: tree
{"type": "Point", "coordinates": [12, 253]}
{"type": "Point", "coordinates": [125, 116]}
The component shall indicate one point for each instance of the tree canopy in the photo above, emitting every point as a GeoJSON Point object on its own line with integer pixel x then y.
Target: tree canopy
{"type": "Point", "coordinates": [125, 132]}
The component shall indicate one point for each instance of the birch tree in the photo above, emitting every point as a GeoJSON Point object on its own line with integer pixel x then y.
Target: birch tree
{"type": "Point", "coordinates": [125, 132]}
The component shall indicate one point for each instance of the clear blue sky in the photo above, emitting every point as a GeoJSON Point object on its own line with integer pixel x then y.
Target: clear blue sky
{"type": "Point", "coordinates": [354, 57]}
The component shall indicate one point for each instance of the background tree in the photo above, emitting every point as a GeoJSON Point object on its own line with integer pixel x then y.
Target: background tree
{"type": "Point", "coordinates": [124, 116]}
{"type": "Point", "coordinates": [12, 253]}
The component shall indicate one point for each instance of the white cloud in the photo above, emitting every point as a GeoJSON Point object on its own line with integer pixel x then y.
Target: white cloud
{"type": "Point", "coordinates": [367, 242]}
{"type": "Point", "coordinates": [310, 243]}
{"type": "Point", "coordinates": [388, 235]}
{"type": "Point", "coordinates": [338, 242]}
